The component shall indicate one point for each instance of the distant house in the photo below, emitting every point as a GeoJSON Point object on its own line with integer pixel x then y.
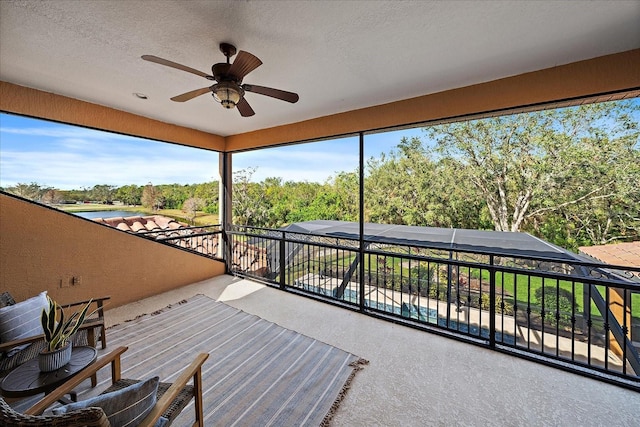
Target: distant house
{"type": "Point", "coordinates": [143, 224]}
{"type": "Point", "coordinates": [625, 254]}
{"type": "Point", "coordinates": [200, 240]}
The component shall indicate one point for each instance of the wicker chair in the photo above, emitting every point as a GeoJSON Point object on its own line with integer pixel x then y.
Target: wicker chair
{"type": "Point", "coordinates": [92, 330]}
{"type": "Point", "coordinates": [6, 299]}
{"type": "Point", "coordinates": [172, 398]}
{"type": "Point", "coordinates": [90, 417]}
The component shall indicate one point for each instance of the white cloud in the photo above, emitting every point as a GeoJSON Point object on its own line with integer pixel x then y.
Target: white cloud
{"type": "Point", "coordinates": [314, 162]}
{"type": "Point", "coordinates": [69, 157]}
{"type": "Point", "coordinates": [67, 170]}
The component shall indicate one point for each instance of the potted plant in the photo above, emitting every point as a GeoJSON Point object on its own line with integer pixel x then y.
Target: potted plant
{"type": "Point", "coordinates": [57, 334]}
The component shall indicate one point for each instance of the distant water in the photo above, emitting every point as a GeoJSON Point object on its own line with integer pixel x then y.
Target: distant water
{"type": "Point", "coordinates": [108, 214]}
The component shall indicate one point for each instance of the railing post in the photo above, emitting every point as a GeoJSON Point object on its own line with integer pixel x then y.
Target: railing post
{"type": "Point", "coordinates": [227, 243]}
{"type": "Point", "coordinates": [449, 276]}
{"type": "Point", "coordinates": [361, 245]}
{"type": "Point", "coordinates": [492, 303]}
{"type": "Point", "coordinates": [282, 261]}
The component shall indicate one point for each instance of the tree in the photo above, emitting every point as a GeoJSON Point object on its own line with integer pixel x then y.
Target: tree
{"type": "Point", "coordinates": [28, 191]}
{"type": "Point", "coordinates": [249, 204]}
{"type": "Point", "coordinates": [410, 186]}
{"type": "Point", "coordinates": [607, 173]}
{"type": "Point", "coordinates": [151, 197]}
{"type": "Point", "coordinates": [191, 206]}
{"type": "Point", "coordinates": [174, 195]}
{"type": "Point", "coordinates": [77, 195]}
{"type": "Point", "coordinates": [52, 197]}
{"type": "Point", "coordinates": [398, 186]}
{"type": "Point", "coordinates": [345, 190]}
{"type": "Point", "coordinates": [208, 192]}
{"type": "Point", "coordinates": [129, 194]}
{"type": "Point", "coordinates": [524, 165]}
{"type": "Point", "coordinates": [103, 193]}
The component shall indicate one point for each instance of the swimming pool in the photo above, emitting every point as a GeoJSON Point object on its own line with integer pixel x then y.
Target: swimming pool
{"type": "Point", "coordinates": [414, 312]}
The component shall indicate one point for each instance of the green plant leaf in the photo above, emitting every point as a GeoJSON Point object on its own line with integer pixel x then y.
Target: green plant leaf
{"type": "Point", "coordinates": [44, 318]}
{"type": "Point", "coordinates": [81, 318]}
{"type": "Point", "coordinates": [52, 315]}
{"type": "Point", "coordinates": [59, 326]}
{"type": "Point", "coordinates": [59, 329]}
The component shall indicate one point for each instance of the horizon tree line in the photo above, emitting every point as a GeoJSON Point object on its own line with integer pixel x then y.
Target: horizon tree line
{"type": "Point", "coordinates": [570, 176]}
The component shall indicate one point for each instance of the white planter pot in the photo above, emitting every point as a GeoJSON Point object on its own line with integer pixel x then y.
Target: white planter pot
{"type": "Point", "coordinates": [52, 360]}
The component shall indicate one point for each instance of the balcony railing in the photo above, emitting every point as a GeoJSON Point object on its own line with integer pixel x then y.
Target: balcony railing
{"type": "Point", "coordinates": [578, 316]}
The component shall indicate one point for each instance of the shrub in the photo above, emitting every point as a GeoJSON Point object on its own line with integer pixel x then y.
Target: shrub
{"type": "Point", "coordinates": [557, 300]}
{"type": "Point", "coordinates": [485, 304]}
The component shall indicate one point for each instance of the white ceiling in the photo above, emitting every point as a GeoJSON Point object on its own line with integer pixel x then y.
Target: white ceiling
{"type": "Point", "coordinates": [337, 55]}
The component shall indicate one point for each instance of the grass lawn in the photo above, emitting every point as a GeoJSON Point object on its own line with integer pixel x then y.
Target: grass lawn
{"type": "Point", "coordinates": [202, 218]}
{"type": "Point", "coordinates": [522, 286]}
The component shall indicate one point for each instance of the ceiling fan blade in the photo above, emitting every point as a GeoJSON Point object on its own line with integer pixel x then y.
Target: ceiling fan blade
{"type": "Point", "coordinates": [274, 93]}
{"type": "Point", "coordinates": [243, 65]}
{"type": "Point", "coordinates": [244, 108]}
{"type": "Point", "coordinates": [172, 64]}
{"type": "Point", "coordinates": [190, 95]}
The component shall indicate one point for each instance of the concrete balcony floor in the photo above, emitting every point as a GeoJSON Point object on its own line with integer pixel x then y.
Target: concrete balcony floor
{"type": "Point", "coordinates": [418, 378]}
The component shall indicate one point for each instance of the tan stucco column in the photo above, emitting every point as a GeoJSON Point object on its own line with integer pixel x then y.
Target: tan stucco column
{"type": "Point", "coordinates": [622, 314]}
{"type": "Point", "coordinates": [225, 195]}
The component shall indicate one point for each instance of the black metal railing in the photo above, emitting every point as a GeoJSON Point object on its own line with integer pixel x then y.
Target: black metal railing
{"type": "Point", "coordinates": [577, 315]}
{"type": "Point", "coordinates": [203, 240]}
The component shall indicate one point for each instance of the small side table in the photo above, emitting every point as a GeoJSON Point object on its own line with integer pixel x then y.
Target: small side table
{"type": "Point", "coordinates": [27, 380]}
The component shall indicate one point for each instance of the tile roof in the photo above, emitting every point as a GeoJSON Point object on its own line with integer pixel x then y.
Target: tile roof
{"type": "Point", "coordinates": [139, 224]}
{"type": "Point", "coordinates": [627, 254]}
{"type": "Point", "coordinates": [249, 258]}
{"type": "Point", "coordinates": [167, 229]}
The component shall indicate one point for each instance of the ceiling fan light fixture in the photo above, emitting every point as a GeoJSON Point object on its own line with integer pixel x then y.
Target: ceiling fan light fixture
{"type": "Point", "coordinates": [227, 93]}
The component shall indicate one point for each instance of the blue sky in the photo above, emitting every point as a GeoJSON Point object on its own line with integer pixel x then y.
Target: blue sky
{"type": "Point", "coordinates": [68, 157]}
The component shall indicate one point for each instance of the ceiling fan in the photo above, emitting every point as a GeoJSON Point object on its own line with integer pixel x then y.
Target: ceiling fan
{"type": "Point", "coordinates": [229, 90]}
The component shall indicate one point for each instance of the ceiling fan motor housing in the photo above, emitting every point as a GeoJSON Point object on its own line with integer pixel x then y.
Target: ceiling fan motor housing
{"type": "Point", "coordinates": [220, 71]}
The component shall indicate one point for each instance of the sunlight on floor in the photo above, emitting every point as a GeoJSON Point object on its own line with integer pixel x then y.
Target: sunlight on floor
{"type": "Point", "coordinates": [239, 290]}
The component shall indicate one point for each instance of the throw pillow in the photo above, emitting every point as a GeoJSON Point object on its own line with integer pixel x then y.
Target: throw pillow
{"type": "Point", "coordinates": [126, 407]}
{"type": "Point", "coordinates": [162, 422]}
{"type": "Point", "coordinates": [22, 320]}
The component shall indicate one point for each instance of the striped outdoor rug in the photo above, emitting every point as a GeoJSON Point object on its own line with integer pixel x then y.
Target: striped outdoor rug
{"type": "Point", "coordinates": [257, 374]}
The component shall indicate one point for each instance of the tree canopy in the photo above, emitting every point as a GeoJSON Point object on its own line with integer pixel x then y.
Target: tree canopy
{"type": "Point", "coordinates": [527, 164]}
{"type": "Point", "coordinates": [570, 176]}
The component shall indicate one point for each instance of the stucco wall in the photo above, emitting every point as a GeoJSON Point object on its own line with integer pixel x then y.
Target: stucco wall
{"type": "Point", "coordinates": [31, 102]}
{"type": "Point", "coordinates": [40, 247]}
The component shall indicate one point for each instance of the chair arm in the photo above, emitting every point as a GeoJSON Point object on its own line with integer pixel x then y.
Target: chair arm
{"type": "Point", "coordinates": [98, 301]}
{"type": "Point", "coordinates": [5, 346]}
{"type": "Point", "coordinates": [113, 357]}
{"type": "Point", "coordinates": [192, 371]}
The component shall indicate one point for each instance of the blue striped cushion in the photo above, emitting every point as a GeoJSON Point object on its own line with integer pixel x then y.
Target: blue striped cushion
{"type": "Point", "coordinates": [126, 407]}
{"type": "Point", "coordinates": [22, 320]}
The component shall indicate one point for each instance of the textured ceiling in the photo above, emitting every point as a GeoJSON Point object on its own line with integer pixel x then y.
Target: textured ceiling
{"type": "Point", "coordinates": [337, 55]}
